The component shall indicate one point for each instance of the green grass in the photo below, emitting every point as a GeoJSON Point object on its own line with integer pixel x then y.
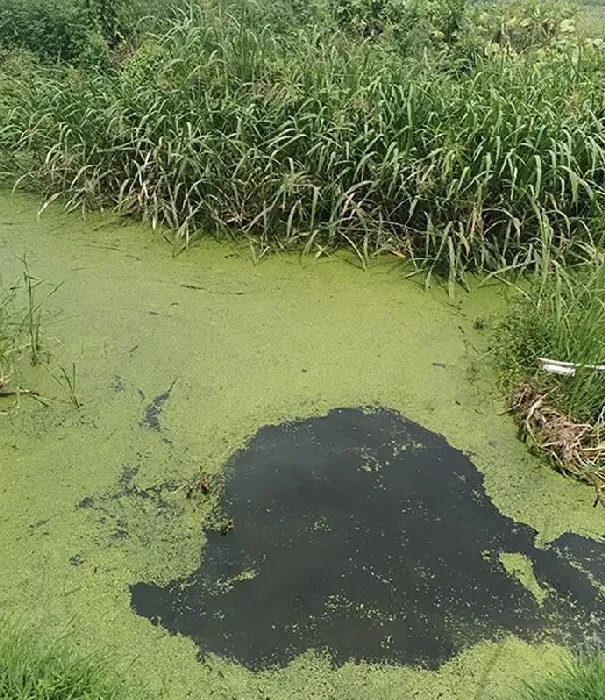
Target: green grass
{"type": "Point", "coordinates": [583, 679]}
{"type": "Point", "coordinates": [82, 32]}
{"type": "Point", "coordinates": [562, 317]}
{"type": "Point", "coordinates": [33, 670]}
{"type": "Point", "coordinates": [480, 153]}
{"type": "Point", "coordinates": [20, 317]}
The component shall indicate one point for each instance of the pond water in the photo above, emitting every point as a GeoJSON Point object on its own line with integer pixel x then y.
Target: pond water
{"type": "Point", "coordinates": [208, 364]}
{"type": "Point", "coordinates": [365, 535]}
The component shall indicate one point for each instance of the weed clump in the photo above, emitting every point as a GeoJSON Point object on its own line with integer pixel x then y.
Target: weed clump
{"type": "Point", "coordinates": [436, 131]}
{"type": "Point", "coordinates": [558, 323]}
{"type": "Point", "coordinates": [34, 670]}
{"type": "Point", "coordinates": [581, 679]}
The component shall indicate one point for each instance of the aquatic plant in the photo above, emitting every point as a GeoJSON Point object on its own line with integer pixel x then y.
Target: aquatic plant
{"type": "Point", "coordinates": [20, 320]}
{"type": "Point", "coordinates": [31, 669]}
{"type": "Point", "coordinates": [33, 313]}
{"type": "Point", "coordinates": [69, 381]}
{"type": "Point", "coordinates": [581, 679]}
{"type": "Point", "coordinates": [472, 156]}
{"type": "Point", "coordinates": [556, 320]}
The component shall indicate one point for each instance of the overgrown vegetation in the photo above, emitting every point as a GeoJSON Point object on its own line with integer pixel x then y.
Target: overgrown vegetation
{"type": "Point", "coordinates": [82, 32]}
{"type": "Point", "coordinates": [33, 670]}
{"type": "Point", "coordinates": [582, 679]}
{"type": "Point", "coordinates": [453, 135]}
{"type": "Point", "coordinates": [561, 317]}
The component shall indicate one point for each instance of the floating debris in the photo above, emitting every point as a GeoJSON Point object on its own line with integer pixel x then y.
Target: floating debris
{"type": "Point", "coordinates": [565, 368]}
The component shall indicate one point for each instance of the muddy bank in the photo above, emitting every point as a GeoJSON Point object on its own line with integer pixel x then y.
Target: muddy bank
{"type": "Point", "coordinates": [179, 362]}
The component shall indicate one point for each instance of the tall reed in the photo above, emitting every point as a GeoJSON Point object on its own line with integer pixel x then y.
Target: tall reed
{"type": "Point", "coordinates": [317, 141]}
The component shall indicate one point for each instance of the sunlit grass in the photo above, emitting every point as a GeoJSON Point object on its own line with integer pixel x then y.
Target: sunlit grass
{"type": "Point", "coordinates": [314, 141]}
{"type": "Point", "coordinates": [583, 679]}
{"type": "Point", "coordinates": [34, 670]}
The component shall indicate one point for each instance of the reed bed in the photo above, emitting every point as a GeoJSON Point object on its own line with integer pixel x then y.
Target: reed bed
{"type": "Point", "coordinates": [312, 140]}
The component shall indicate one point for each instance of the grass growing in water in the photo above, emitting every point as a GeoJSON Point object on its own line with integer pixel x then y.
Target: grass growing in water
{"type": "Point", "coordinates": [583, 679]}
{"type": "Point", "coordinates": [562, 318]}
{"type": "Point", "coordinates": [6, 333]}
{"type": "Point", "coordinates": [69, 380]}
{"type": "Point", "coordinates": [12, 342]}
{"type": "Point", "coordinates": [477, 153]}
{"type": "Point", "coordinates": [33, 314]}
{"type": "Point", "coordinates": [33, 670]}
{"type": "Point", "coordinates": [20, 320]}
{"type": "Point", "coordinates": [19, 329]}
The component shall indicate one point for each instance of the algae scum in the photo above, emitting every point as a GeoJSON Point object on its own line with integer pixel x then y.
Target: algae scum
{"type": "Point", "coordinates": [365, 535]}
{"type": "Point", "coordinates": [358, 535]}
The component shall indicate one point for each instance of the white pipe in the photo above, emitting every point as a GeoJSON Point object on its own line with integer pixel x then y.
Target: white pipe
{"type": "Point", "coordinates": [566, 368]}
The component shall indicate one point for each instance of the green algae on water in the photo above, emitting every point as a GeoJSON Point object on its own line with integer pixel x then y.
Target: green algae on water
{"type": "Point", "coordinates": [249, 345]}
{"type": "Point", "coordinates": [520, 566]}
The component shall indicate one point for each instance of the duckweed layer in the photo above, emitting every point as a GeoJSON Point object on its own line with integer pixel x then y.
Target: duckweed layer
{"type": "Point", "coordinates": [521, 567]}
{"type": "Point", "coordinates": [238, 346]}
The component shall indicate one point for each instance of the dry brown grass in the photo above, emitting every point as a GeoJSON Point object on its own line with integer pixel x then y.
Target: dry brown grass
{"type": "Point", "coordinates": [574, 448]}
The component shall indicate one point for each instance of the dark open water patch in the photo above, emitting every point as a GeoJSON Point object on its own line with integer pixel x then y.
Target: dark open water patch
{"type": "Point", "coordinates": [364, 535]}
{"type": "Point", "coordinates": [152, 412]}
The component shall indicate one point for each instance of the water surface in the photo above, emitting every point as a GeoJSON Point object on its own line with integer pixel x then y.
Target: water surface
{"type": "Point", "coordinates": [180, 362]}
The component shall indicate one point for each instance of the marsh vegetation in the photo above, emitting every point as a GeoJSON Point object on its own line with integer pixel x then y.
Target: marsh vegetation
{"type": "Point", "coordinates": [456, 137]}
{"type": "Point", "coordinates": [560, 405]}
{"type": "Point", "coordinates": [19, 325]}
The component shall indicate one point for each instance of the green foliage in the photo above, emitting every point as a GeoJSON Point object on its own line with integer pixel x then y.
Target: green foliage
{"type": "Point", "coordinates": [414, 25]}
{"type": "Point", "coordinates": [369, 18]}
{"type": "Point", "coordinates": [473, 155]}
{"type": "Point", "coordinates": [128, 20]}
{"type": "Point", "coordinates": [50, 28]}
{"type": "Point", "coordinates": [519, 25]}
{"type": "Point", "coordinates": [32, 670]}
{"type": "Point", "coordinates": [583, 679]}
{"type": "Point", "coordinates": [561, 317]}
{"type": "Point", "coordinates": [282, 16]}
{"type": "Point", "coordinates": [83, 32]}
